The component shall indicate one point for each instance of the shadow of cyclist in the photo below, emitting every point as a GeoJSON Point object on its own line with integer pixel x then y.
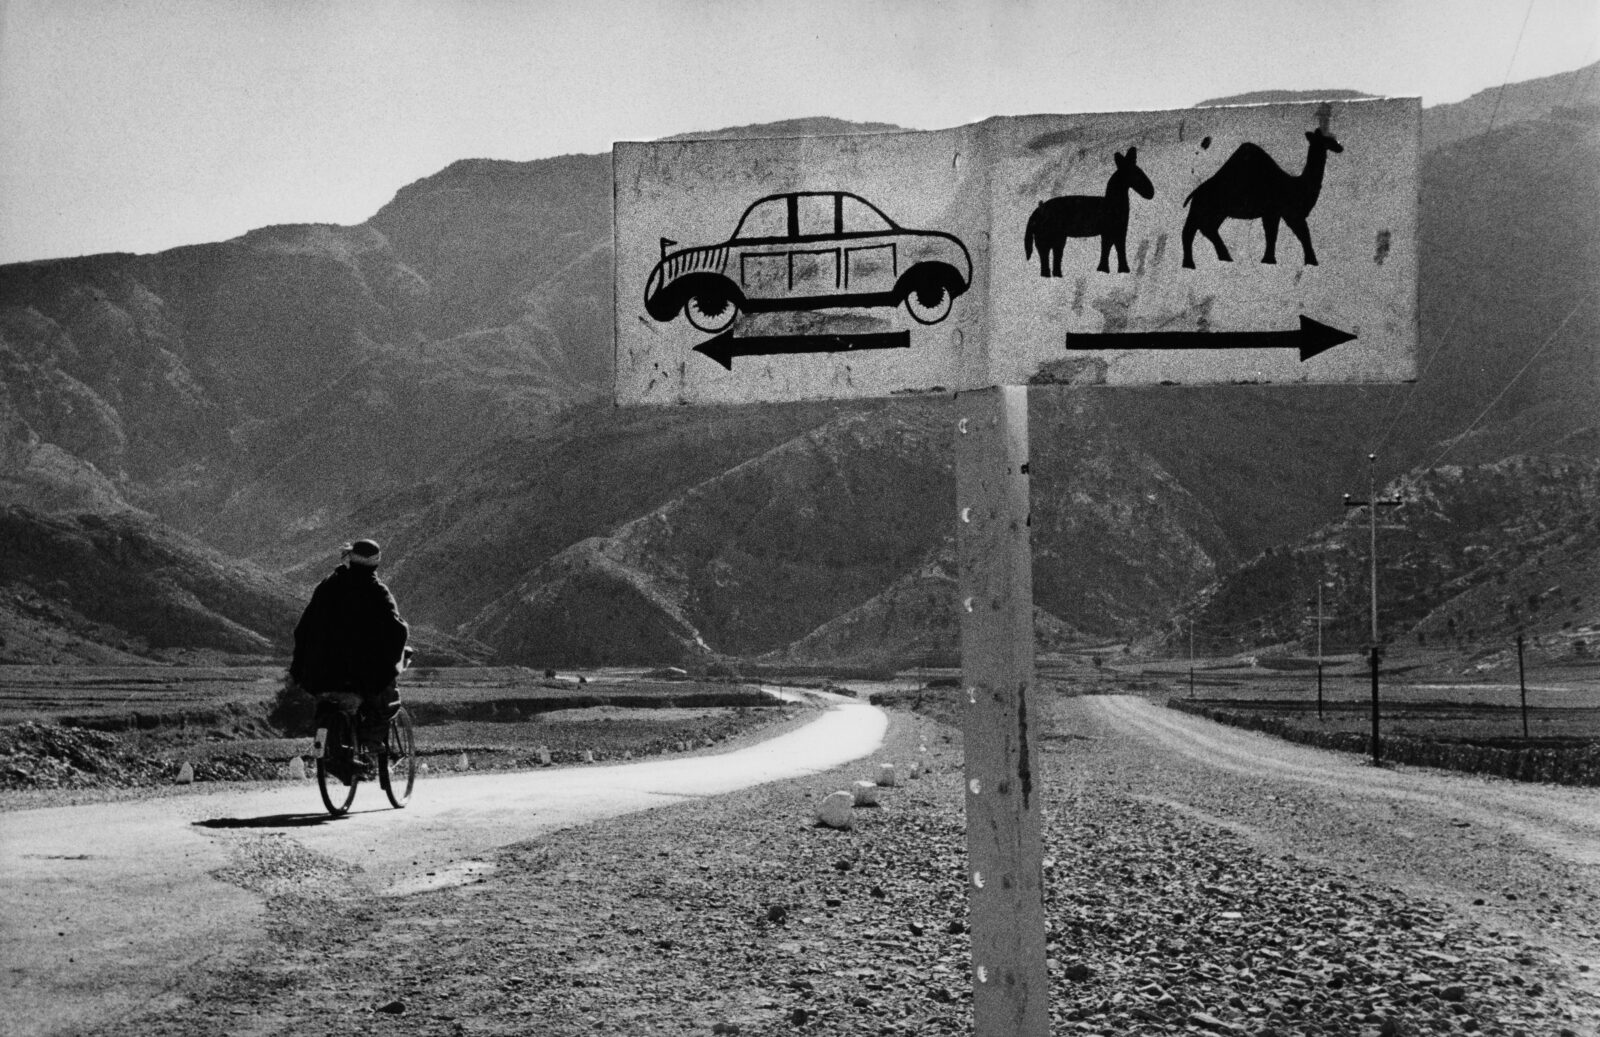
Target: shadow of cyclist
{"type": "Point", "coordinates": [267, 821]}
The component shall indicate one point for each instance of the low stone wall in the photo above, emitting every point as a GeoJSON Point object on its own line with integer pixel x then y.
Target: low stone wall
{"type": "Point", "coordinates": [1576, 766]}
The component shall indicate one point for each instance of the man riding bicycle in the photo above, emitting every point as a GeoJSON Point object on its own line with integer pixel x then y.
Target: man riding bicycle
{"type": "Point", "coordinates": [349, 646]}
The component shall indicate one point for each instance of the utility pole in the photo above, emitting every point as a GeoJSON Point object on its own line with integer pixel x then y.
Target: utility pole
{"type": "Point", "coordinates": [1522, 682]}
{"type": "Point", "coordinates": [1372, 504]}
{"type": "Point", "coordinates": [1319, 646]}
{"type": "Point", "coordinates": [1191, 656]}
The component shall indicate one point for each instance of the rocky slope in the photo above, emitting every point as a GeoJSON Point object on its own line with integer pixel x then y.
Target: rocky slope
{"type": "Point", "coordinates": [844, 520]}
{"type": "Point", "coordinates": [118, 586]}
{"type": "Point", "coordinates": [114, 588]}
{"type": "Point", "coordinates": [1473, 556]}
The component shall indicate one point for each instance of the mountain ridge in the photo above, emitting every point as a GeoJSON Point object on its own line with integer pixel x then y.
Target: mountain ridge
{"type": "Point", "coordinates": [274, 394]}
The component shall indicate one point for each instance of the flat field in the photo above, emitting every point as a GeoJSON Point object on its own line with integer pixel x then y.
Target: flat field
{"type": "Point", "coordinates": [135, 726]}
{"type": "Point", "coordinates": [105, 695]}
{"type": "Point", "coordinates": [1563, 703]}
{"type": "Point", "coordinates": [118, 697]}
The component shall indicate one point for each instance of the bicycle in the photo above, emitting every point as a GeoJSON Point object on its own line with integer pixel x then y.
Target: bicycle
{"type": "Point", "coordinates": [396, 757]}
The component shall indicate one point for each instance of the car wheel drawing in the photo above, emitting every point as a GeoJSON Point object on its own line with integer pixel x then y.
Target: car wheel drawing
{"type": "Point", "coordinates": [931, 291]}
{"type": "Point", "coordinates": [711, 310]}
{"type": "Point", "coordinates": [809, 250]}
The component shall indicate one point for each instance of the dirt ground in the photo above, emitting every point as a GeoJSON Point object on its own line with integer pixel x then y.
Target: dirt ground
{"type": "Point", "coordinates": [1200, 879]}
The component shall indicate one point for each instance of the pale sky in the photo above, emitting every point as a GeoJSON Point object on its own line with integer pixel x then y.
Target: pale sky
{"type": "Point", "coordinates": [141, 125]}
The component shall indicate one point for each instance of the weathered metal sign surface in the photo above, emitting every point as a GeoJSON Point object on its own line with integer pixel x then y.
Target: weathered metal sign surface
{"type": "Point", "coordinates": [1268, 243]}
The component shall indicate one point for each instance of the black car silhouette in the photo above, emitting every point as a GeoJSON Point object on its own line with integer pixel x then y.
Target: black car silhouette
{"type": "Point", "coordinates": [809, 250]}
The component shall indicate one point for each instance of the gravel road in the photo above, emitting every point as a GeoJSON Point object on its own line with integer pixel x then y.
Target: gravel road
{"type": "Point", "coordinates": [1199, 880]}
{"type": "Point", "coordinates": [1515, 865]}
{"type": "Point", "coordinates": [109, 906]}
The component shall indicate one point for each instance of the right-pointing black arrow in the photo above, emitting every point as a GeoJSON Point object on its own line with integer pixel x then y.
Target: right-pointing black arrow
{"type": "Point", "coordinates": [1312, 337]}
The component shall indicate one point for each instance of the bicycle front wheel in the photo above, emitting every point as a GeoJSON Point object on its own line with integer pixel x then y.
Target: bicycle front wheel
{"type": "Point", "coordinates": [397, 764]}
{"type": "Point", "coordinates": [336, 797]}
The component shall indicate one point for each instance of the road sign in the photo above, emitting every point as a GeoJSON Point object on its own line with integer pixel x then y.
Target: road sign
{"type": "Point", "coordinates": [1263, 243]}
{"type": "Point", "coordinates": [1272, 243]}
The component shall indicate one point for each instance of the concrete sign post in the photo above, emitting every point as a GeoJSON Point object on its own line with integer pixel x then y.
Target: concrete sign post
{"type": "Point", "coordinates": [1256, 244]}
{"type": "Point", "coordinates": [1000, 725]}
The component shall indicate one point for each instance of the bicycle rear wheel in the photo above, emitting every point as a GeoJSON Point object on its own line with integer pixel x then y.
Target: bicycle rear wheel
{"type": "Point", "coordinates": [397, 763]}
{"type": "Point", "coordinates": [336, 797]}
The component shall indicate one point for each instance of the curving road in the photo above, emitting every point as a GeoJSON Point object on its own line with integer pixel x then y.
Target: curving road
{"type": "Point", "coordinates": [110, 908]}
{"type": "Point", "coordinates": [1563, 821]}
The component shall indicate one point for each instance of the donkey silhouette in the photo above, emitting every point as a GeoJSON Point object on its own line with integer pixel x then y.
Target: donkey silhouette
{"type": "Point", "coordinates": [1251, 186]}
{"type": "Point", "coordinates": [1088, 216]}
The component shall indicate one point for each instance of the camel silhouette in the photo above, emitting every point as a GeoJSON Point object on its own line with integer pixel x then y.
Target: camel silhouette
{"type": "Point", "coordinates": [1088, 216]}
{"type": "Point", "coordinates": [1251, 186]}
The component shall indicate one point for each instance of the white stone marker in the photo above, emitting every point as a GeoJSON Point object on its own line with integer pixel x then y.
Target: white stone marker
{"type": "Point", "coordinates": [297, 769]}
{"type": "Point", "coordinates": [886, 775]}
{"type": "Point", "coordinates": [186, 774]}
{"type": "Point", "coordinates": [866, 793]}
{"type": "Point", "coordinates": [835, 810]}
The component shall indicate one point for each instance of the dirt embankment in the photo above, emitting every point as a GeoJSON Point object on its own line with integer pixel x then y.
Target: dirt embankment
{"type": "Point", "coordinates": [1199, 880]}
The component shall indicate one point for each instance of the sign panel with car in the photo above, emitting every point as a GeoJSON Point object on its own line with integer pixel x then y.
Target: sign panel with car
{"type": "Point", "coordinates": [805, 268]}
{"type": "Point", "coordinates": [1265, 244]}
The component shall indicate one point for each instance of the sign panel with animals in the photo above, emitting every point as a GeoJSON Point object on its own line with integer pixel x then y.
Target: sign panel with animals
{"type": "Point", "coordinates": [1267, 243]}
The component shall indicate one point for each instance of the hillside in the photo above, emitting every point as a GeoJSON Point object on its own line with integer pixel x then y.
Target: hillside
{"type": "Point", "coordinates": [1472, 557]}
{"type": "Point", "coordinates": [845, 518]}
{"type": "Point", "coordinates": [251, 392]}
{"type": "Point", "coordinates": [433, 377]}
{"type": "Point", "coordinates": [102, 588]}
{"type": "Point", "coordinates": [118, 586]}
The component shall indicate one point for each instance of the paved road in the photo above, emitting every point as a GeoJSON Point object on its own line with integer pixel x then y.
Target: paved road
{"type": "Point", "coordinates": [109, 908]}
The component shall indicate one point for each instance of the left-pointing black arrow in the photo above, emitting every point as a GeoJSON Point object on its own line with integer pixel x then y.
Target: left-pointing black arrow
{"type": "Point", "coordinates": [1311, 338]}
{"type": "Point", "coordinates": [725, 346]}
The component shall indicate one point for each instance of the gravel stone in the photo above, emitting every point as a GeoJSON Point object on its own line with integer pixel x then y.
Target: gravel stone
{"type": "Point", "coordinates": [623, 928]}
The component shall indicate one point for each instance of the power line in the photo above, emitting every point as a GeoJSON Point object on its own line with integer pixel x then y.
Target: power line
{"type": "Point", "coordinates": [1433, 358]}
{"type": "Point", "coordinates": [1447, 341]}
{"type": "Point", "coordinates": [1501, 93]}
{"type": "Point", "coordinates": [1510, 382]}
{"type": "Point", "coordinates": [1473, 301]}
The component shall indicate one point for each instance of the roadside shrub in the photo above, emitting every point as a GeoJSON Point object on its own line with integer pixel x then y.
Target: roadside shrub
{"type": "Point", "coordinates": [717, 669]}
